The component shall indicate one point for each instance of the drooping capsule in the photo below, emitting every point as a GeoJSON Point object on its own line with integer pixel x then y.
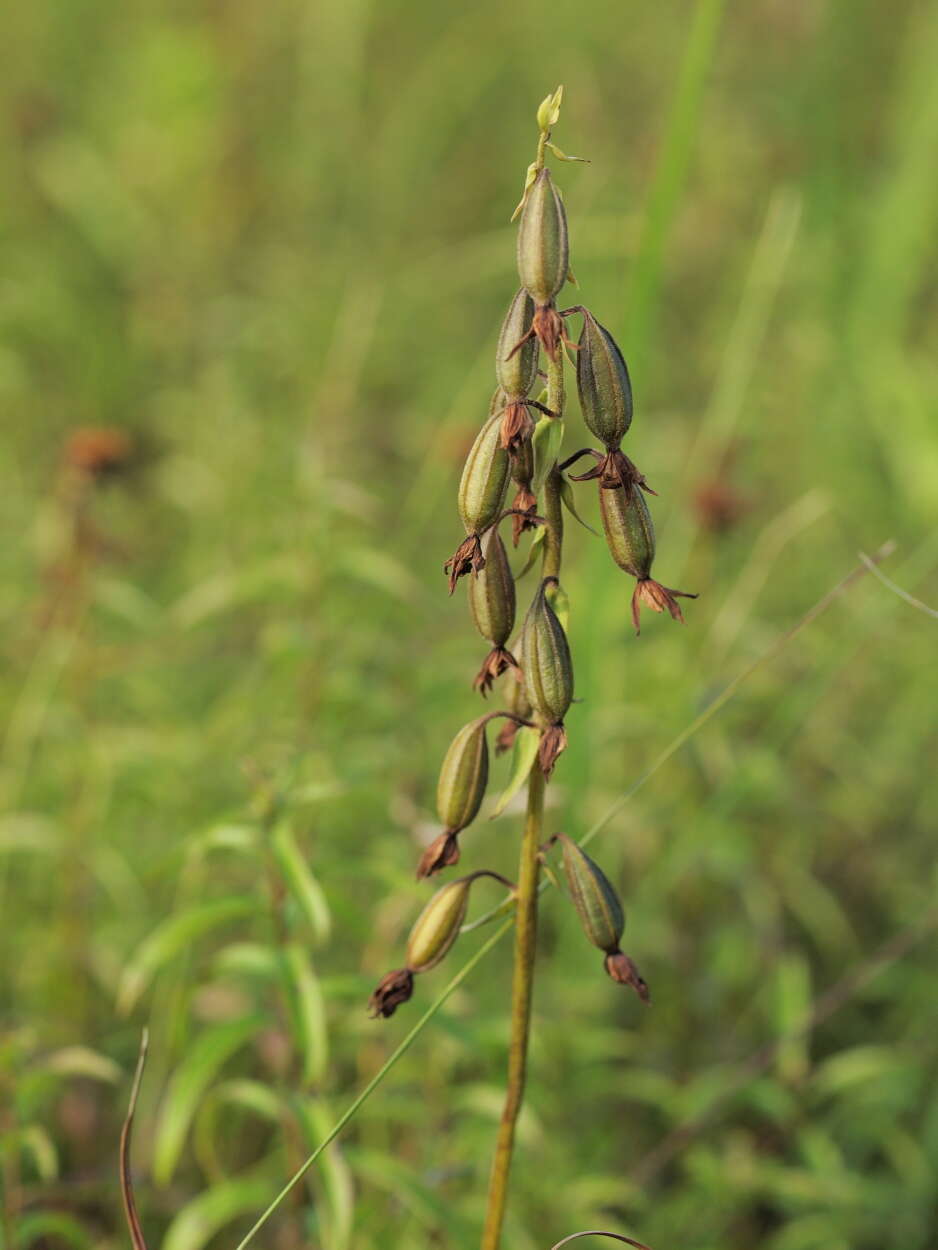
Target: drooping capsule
{"type": "Point", "coordinates": [464, 776]}
{"type": "Point", "coordinates": [544, 260]}
{"type": "Point", "coordinates": [600, 912]}
{"type": "Point", "coordinates": [480, 499]}
{"type": "Point", "coordinates": [437, 927]}
{"type": "Point", "coordinates": [630, 536]}
{"type": "Point", "coordinates": [548, 673]}
{"type": "Point", "coordinates": [596, 901]}
{"type": "Point", "coordinates": [492, 604]}
{"type": "Point", "coordinates": [431, 938]}
{"type": "Point", "coordinates": [603, 384]}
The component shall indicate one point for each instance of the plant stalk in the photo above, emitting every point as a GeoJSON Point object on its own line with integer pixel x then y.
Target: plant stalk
{"type": "Point", "coordinates": [528, 890]}
{"type": "Point", "coordinates": [522, 986]}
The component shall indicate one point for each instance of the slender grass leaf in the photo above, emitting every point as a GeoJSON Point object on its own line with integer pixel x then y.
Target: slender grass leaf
{"type": "Point", "coordinates": [52, 1226]}
{"type": "Point", "coordinates": [170, 938]}
{"type": "Point", "coordinates": [195, 1073]}
{"type": "Point", "coordinates": [304, 887]}
{"type": "Point", "coordinates": [308, 1010]}
{"type": "Point", "coordinates": [205, 1216]}
{"type": "Point", "coordinates": [316, 1119]}
{"type": "Point", "coordinates": [82, 1061]}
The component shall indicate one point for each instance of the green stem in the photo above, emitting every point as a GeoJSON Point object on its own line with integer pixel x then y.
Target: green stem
{"type": "Point", "coordinates": [521, 990]}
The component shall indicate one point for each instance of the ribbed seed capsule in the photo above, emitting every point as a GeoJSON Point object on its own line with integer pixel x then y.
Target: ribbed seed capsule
{"type": "Point", "coordinates": [517, 370]}
{"type": "Point", "coordinates": [603, 383]}
{"type": "Point", "coordinates": [543, 247]}
{"type": "Point", "coordinates": [437, 927]}
{"type": "Point", "coordinates": [545, 663]}
{"type": "Point", "coordinates": [548, 674]}
{"type": "Point", "coordinates": [600, 911]}
{"type": "Point", "coordinates": [492, 603]}
{"type": "Point", "coordinates": [484, 479]}
{"type": "Point", "coordinates": [492, 593]}
{"type": "Point", "coordinates": [463, 777]}
{"type": "Point", "coordinates": [481, 496]}
{"type": "Point", "coordinates": [629, 530]}
{"type": "Point", "coordinates": [630, 536]}
{"type": "Point", "coordinates": [596, 902]}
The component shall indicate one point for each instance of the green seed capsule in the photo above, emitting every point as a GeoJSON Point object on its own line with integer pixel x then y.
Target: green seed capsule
{"type": "Point", "coordinates": [463, 777]}
{"type": "Point", "coordinates": [484, 479]}
{"type": "Point", "coordinates": [438, 925]}
{"type": "Point", "coordinates": [630, 534]}
{"type": "Point", "coordinates": [517, 372]}
{"type": "Point", "coordinates": [594, 897]}
{"type": "Point", "coordinates": [543, 247]}
{"type": "Point", "coordinates": [603, 384]}
{"type": "Point", "coordinates": [492, 592]}
{"type": "Point", "coordinates": [545, 660]}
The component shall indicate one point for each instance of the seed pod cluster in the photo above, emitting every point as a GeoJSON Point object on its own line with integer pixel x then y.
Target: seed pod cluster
{"type": "Point", "coordinates": [548, 674]}
{"type": "Point", "coordinates": [600, 912]}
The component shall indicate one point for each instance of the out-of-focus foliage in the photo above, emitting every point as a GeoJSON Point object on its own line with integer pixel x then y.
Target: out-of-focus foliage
{"type": "Point", "coordinates": [269, 245]}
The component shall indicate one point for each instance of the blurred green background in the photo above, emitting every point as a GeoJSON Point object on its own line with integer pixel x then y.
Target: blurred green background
{"type": "Point", "coordinates": [255, 260]}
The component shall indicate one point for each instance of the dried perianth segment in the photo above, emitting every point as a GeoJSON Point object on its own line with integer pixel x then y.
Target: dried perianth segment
{"type": "Point", "coordinates": [630, 536]}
